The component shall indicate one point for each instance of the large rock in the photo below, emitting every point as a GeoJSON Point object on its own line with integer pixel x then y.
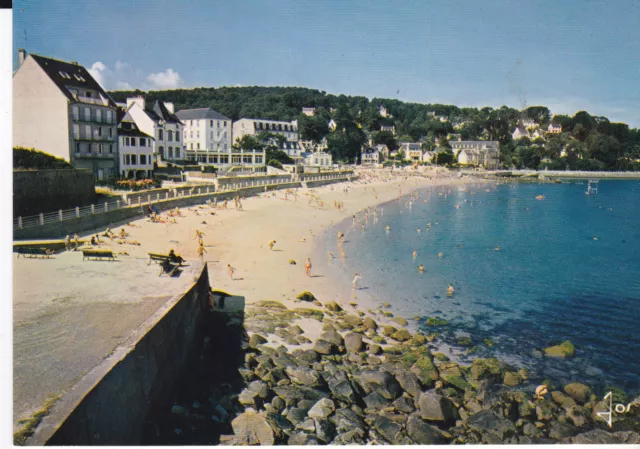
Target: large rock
{"type": "Point", "coordinates": [563, 400]}
{"type": "Point", "coordinates": [302, 439]}
{"type": "Point", "coordinates": [380, 381]}
{"type": "Point", "coordinates": [351, 437]}
{"type": "Point", "coordinates": [296, 415]}
{"type": "Point", "coordinates": [304, 376]}
{"type": "Point", "coordinates": [352, 321]}
{"type": "Point", "coordinates": [558, 430]}
{"type": "Point", "coordinates": [404, 405]}
{"type": "Point", "coordinates": [333, 306]}
{"type": "Point", "coordinates": [388, 429]}
{"type": "Point", "coordinates": [434, 407]}
{"type": "Point", "coordinates": [426, 371]}
{"type": "Point", "coordinates": [580, 392]}
{"type": "Point", "coordinates": [401, 335]}
{"type": "Point", "coordinates": [511, 379]}
{"type": "Point", "coordinates": [488, 422]}
{"type": "Point", "coordinates": [423, 433]}
{"type": "Point", "coordinates": [370, 323]}
{"type": "Point", "coordinates": [307, 355]}
{"type": "Point", "coordinates": [564, 349]}
{"type": "Point", "coordinates": [322, 409]}
{"type": "Point", "coordinates": [346, 420]}
{"type": "Point", "coordinates": [256, 339]}
{"type": "Point", "coordinates": [252, 428]}
{"type": "Point", "coordinates": [254, 395]}
{"type": "Point", "coordinates": [342, 390]}
{"type": "Point", "coordinates": [353, 343]}
{"type": "Point", "coordinates": [325, 347]}
{"type": "Point", "coordinates": [375, 401]}
{"type": "Point", "coordinates": [409, 383]}
{"type": "Point", "coordinates": [387, 331]}
{"type": "Point", "coordinates": [402, 322]}
{"type": "Point", "coordinates": [599, 436]}
{"type": "Point", "coordinates": [325, 430]}
{"type": "Point", "coordinates": [486, 369]}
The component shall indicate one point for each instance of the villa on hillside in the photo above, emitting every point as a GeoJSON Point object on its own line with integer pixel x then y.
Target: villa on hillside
{"type": "Point", "coordinates": [387, 125]}
{"type": "Point", "coordinates": [370, 156]}
{"type": "Point", "coordinates": [59, 108]}
{"type": "Point", "coordinates": [412, 151]}
{"type": "Point", "coordinates": [310, 112]}
{"type": "Point", "coordinates": [519, 133]}
{"type": "Point", "coordinates": [252, 127]}
{"type": "Point", "coordinates": [554, 128]}
{"type": "Point", "coordinates": [332, 125]}
{"type": "Point", "coordinates": [480, 153]}
{"type": "Point", "coordinates": [382, 111]}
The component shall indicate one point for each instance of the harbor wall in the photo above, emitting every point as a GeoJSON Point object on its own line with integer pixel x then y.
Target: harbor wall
{"type": "Point", "coordinates": [109, 405]}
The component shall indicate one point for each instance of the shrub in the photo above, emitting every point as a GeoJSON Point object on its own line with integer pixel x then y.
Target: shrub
{"type": "Point", "coordinates": [30, 158]}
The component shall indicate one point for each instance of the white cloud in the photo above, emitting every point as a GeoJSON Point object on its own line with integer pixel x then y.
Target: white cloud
{"type": "Point", "coordinates": [101, 73]}
{"type": "Point", "coordinates": [165, 80]}
{"type": "Point", "coordinates": [122, 66]}
{"type": "Point", "coordinates": [123, 85]}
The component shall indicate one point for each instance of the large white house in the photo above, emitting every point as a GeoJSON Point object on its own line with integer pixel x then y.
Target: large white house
{"type": "Point", "coordinates": [412, 151]}
{"type": "Point", "coordinates": [135, 150]}
{"type": "Point", "coordinates": [370, 156]}
{"type": "Point", "coordinates": [158, 120]}
{"type": "Point", "coordinates": [207, 134]}
{"type": "Point", "coordinates": [59, 108]}
{"type": "Point", "coordinates": [482, 153]}
{"type": "Point", "coordinates": [252, 127]}
{"type": "Point", "coordinates": [554, 128]}
{"type": "Point", "coordinates": [317, 159]}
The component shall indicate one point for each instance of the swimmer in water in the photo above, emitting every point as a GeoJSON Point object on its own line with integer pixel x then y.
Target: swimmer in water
{"type": "Point", "coordinates": [439, 254]}
{"type": "Point", "coordinates": [415, 254]}
{"type": "Point", "coordinates": [421, 268]}
{"type": "Point", "coordinates": [450, 290]}
{"type": "Point", "coordinates": [418, 230]}
{"type": "Point", "coordinates": [497, 248]}
{"type": "Point", "coordinates": [387, 228]}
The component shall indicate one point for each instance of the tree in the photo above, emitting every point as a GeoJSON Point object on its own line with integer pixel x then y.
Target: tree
{"type": "Point", "coordinates": [604, 148]}
{"type": "Point", "coordinates": [247, 143]}
{"type": "Point", "coordinates": [443, 142]}
{"type": "Point", "coordinates": [445, 157]}
{"type": "Point", "coordinates": [385, 138]}
{"type": "Point", "coordinates": [313, 128]}
{"type": "Point", "coordinates": [406, 138]}
{"type": "Point", "coordinates": [540, 114]}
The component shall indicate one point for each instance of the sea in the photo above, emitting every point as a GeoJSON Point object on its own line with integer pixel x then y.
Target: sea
{"type": "Point", "coordinates": [528, 273]}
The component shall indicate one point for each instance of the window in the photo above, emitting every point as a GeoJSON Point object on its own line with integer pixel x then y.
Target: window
{"type": "Point", "coordinates": [211, 135]}
{"type": "Point", "coordinates": [79, 77]}
{"type": "Point", "coordinates": [211, 123]}
{"type": "Point", "coordinates": [99, 148]}
{"type": "Point", "coordinates": [170, 136]}
{"type": "Point", "coordinates": [87, 131]}
{"type": "Point", "coordinates": [110, 132]}
{"type": "Point", "coordinates": [65, 75]}
{"type": "Point", "coordinates": [133, 141]}
{"type": "Point", "coordinates": [161, 151]}
{"type": "Point", "coordinates": [191, 145]}
{"type": "Point", "coordinates": [177, 136]}
{"type": "Point", "coordinates": [224, 159]}
{"type": "Point", "coordinates": [198, 145]}
{"type": "Point", "coordinates": [87, 94]}
{"type": "Point", "coordinates": [198, 135]}
{"type": "Point", "coordinates": [225, 124]}
{"type": "Point", "coordinates": [87, 114]}
{"type": "Point", "coordinates": [76, 131]}
{"type": "Point", "coordinates": [258, 159]}
{"type": "Point", "coordinates": [202, 158]}
{"type": "Point", "coordinates": [177, 153]}
{"type": "Point", "coordinates": [98, 115]}
{"type": "Point", "coordinates": [160, 134]}
{"type": "Point", "coordinates": [75, 112]}
{"type": "Point", "coordinates": [133, 159]}
{"type": "Point", "coordinates": [126, 141]}
{"type": "Point", "coordinates": [100, 131]}
{"type": "Point", "coordinates": [170, 152]}
{"type": "Point", "coordinates": [78, 147]}
{"type": "Point", "coordinates": [127, 159]}
{"type": "Point", "coordinates": [110, 148]}
{"type": "Point", "coordinates": [109, 116]}
{"type": "Point", "coordinates": [224, 136]}
{"type": "Point", "coordinates": [143, 142]}
{"type": "Point", "coordinates": [143, 159]}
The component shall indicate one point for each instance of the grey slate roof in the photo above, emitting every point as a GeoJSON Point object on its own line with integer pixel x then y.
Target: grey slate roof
{"type": "Point", "coordinates": [53, 67]}
{"type": "Point", "coordinates": [160, 111]}
{"type": "Point", "coordinates": [199, 114]}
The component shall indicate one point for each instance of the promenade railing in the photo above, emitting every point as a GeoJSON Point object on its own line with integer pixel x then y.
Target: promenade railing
{"type": "Point", "coordinates": [135, 199]}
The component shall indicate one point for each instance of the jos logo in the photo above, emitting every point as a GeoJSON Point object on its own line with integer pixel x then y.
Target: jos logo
{"type": "Point", "coordinates": [618, 409]}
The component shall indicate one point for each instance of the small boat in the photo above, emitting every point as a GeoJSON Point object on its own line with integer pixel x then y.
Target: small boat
{"type": "Point", "coordinates": [540, 197]}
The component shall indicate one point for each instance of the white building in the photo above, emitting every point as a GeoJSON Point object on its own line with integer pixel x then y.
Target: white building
{"type": "Point", "coordinates": [370, 156]}
{"type": "Point", "coordinates": [135, 152]}
{"type": "Point", "coordinates": [383, 111]}
{"type": "Point", "coordinates": [387, 125]}
{"type": "Point", "coordinates": [519, 133]}
{"type": "Point", "coordinates": [207, 135]}
{"type": "Point", "coordinates": [317, 159]}
{"type": "Point", "coordinates": [158, 120]}
{"type": "Point", "coordinates": [412, 151]}
{"type": "Point", "coordinates": [529, 123]}
{"type": "Point", "coordinates": [332, 125]}
{"type": "Point", "coordinates": [554, 129]}
{"type": "Point", "coordinates": [60, 109]}
{"type": "Point", "coordinates": [483, 153]}
{"type": "Point", "coordinates": [309, 111]}
{"type": "Point", "coordinates": [252, 127]}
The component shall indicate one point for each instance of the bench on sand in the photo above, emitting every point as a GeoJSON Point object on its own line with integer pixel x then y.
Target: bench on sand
{"type": "Point", "coordinates": [36, 253]}
{"type": "Point", "coordinates": [97, 254]}
{"type": "Point", "coordinates": [157, 258]}
{"type": "Point", "coordinates": [167, 266]}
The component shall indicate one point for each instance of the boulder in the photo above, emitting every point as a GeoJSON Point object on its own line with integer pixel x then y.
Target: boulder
{"type": "Point", "coordinates": [252, 428]}
{"type": "Point", "coordinates": [333, 306]}
{"type": "Point", "coordinates": [370, 323]}
{"type": "Point", "coordinates": [332, 336]}
{"type": "Point", "coordinates": [306, 296]}
{"type": "Point", "coordinates": [580, 392]}
{"type": "Point", "coordinates": [353, 343]}
{"type": "Point", "coordinates": [400, 321]}
{"type": "Point", "coordinates": [577, 416]}
{"type": "Point", "coordinates": [306, 355]}
{"type": "Point", "coordinates": [295, 330]}
{"type": "Point", "coordinates": [559, 430]}
{"type": "Point", "coordinates": [421, 432]}
{"type": "Point", "coordinates": [325, 347]}
{"type": "Point", "coordinates": [388, 429]}
{"type": "Point", "coordinates": [325, 430]}
{"type": "Point", "coordinates": [304, 376]}
{"type": "Point", "coordinates": [489, 369]}
{"type": "Point", "coordinates": [564, 349]}
{"type": "Point", "coordinates": [342, 390]}
{"type": "Point", "coordinates": [278, 403]}
{"type": "Point", "coordinates": [375, 349]}
{"type": "Point", "coordinates": [434, 407]}
{"type": "Point", "coordinates": [401, 335]}
{"type": "Point", "coordinates": [426, 371]}
{"type": "Point", "coordinates": [351, 437]}
{"type": "Point", "coordinates": [511, 379]}
{"type": "Point", "coordinates": [322, 409]}
{"type": "Point", "coordinates": [562, 400]}
{"type": "Point", "coordinates": [256, 339]}
{"type": "Point", "coordinates": [352, 321]}
{"type": "Point", "coordinates": [347, 420]}
{"type": "Point", "coordinates": [488, 423]}
{"type": "Point", "coordinates": [375, 401]}
{"type": "Point", "coordinates": [296, 415]}
{"type": "Point", "coordinates": [404, 405]}
{"type": "Point", "coordinates": [419, 339]}
{"type": "Point", "coordinates": [380, 381]}
{"type": "Point", "coordinates": [387, 331]}
{"type": "Point", "coordinates": [409, 383]}
{"type": "Point", "coordinates": [308, 425]}
{"type": "Point", "coordinates": [302, 439]}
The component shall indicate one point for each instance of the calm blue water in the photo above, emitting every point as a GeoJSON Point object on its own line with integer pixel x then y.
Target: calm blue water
{"type": "Point", "coordinates": [550, 281]}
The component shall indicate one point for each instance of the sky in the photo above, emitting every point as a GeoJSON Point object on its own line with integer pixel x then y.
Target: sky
{"type": "Point", "coordinates": [567, 55]}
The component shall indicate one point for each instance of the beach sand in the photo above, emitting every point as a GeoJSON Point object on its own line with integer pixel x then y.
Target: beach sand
{"type": "Point", "coordinates": [241, 239]}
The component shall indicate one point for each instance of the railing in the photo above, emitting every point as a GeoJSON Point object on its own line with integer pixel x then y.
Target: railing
{"type": "Point", "coordinates": [136, 199]}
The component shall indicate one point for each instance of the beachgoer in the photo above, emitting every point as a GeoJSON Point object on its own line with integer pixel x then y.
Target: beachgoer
{"type": "Point", "coordinates": [415, 254]}
{"type": "Point", "coordinates": [356, 278]}
{"type": "Point", "coordinates": [307, 267]}
{"type": "Point", "coordinates": [201, 251]}
{"type": "Point", "coordinates": [230, 270]}
{"type": "Point", "coordinates": [418, 230]}
{"type": "Point", "coordinates": [67, 243]}
{"type": "Point", "coordinates": [421, 268]}
{"type": "Point", "coordinates": [439, 254]}
{"type": "Point", "coordinates": [76, 241]}
{"type": "Point", "coordinates": [387, 228]}
{"type": "Point", "coordinates": [271, 244]}
{"type": "Point", "coordinates": [450, 290]}
{"type": "Point", "coordinates": [93, 241]}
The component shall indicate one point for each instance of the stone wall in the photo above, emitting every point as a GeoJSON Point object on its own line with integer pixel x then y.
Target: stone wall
{"type": "Point", "coordinates": [36, 191]}
{"type": "Point", "coordinates": [109, 405]}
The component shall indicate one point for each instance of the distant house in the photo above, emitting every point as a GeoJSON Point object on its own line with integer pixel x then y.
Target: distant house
{"type": "Point", "coordinates": [59, 108]}
{"type": "Point", "coordinates": [252, 127]}
{"type": "Point", "coordinates": [537, 134]}
{"type": "Point", "coordinates": [370, 156]}
{"type": "Point", "coordinates": [135, 150]}
{"type": "Point", "coordinates": [317, 159]}
{"type": "Point", "coordinates": [454, 136]}
{"type": "Point", "coordinates": [383, 150]}
{"type": "Point", "coordinates": [428, 156]}
{"type": "Point", "coordinates": [482, 153]}
{"type": "Point", "coordinates": [519, 133]}
{"type": "Point", "coordinates": [332, 125]}
{"type": "Point", "coordinates": [529, 123]}
{"type": "Point", "coordinates": [309, 111]}
{"type": "Point", "coordinates": [412, 151]}
{"type": "Point", "coordinates": [383, 111]}
{"type": "Point", "coordinates": [387, 125]}
{"type": "Point", "coordinates": [554, 128]}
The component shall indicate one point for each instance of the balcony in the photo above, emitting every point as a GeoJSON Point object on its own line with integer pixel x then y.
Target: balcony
{"type": "Point", "coordinates": [94, 155]}
{"type": "Point", "coordinates": [96, 101]}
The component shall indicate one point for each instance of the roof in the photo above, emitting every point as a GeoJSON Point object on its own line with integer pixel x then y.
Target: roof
{"type": "Point", "coordinates": [474, 142]}
{"type": "Point", "coordinates": [161, 112]}
{"type": "Point", "coordinates": [79, 77]}
{"type": "Point", "coordinates": [200, 114]}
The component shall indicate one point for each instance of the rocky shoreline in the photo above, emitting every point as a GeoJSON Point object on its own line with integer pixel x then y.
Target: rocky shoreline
{"type": "Point", "coordinates": [310, 373]}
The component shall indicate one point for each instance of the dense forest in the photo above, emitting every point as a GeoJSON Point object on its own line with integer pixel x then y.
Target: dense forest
{"type": "Point", "coordinates": [586, 142]}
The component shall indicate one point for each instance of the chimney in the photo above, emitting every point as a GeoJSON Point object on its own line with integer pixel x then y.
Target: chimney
{"type": "Point", "coordinates": [169, 107]}
{"type": "Point", "coordinates": [22, 55]}
{"type": "Point", "coordinates": [139, 100]}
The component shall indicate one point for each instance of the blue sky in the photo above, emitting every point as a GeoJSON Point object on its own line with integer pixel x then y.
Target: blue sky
{"type": "Point", "coordinates": [568, 55]}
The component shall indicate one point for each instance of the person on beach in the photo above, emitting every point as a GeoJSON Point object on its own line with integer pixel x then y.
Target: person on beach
{"type": "Point", "coordinates": [272, 244]}
{"type": "Point", "coordinates": [440, 255]}
{"type": "Point", "coordinates": [76, 241]}
{"type": "Point", "coordinates": [421, 268]}
{"type": "Point", "coordinates": [387, 228]}
{"type": "Point", "coordinates": [230, 270]}
{"type": "Point", "coordinates": [450, 290]}
{"type": "Point", "coordinates": [307, 267]}
{"type": "Point", "coordinates": [93, 240]}
{"type": "Point", "coordinates": [363, 226]}
{"type": "Point", "coordinates": [415, 254]}
{"type": "Point", "coordinates": [201, 251]}
{"type": "Point", "coordinates": [356, 278]}
{"type": "Point", "coordinates": [67, 243]}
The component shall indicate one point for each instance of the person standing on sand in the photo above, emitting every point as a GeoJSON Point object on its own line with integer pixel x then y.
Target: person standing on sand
{"type": "Point", "coordinates": [67, 243]}
{"type": "Point", "coordinates": [356, 278]}
{"type": "Point", "coordinates": [272, 244]}
{"type": "Point", "coordinates": [76, 241]}
{"type": "Point", "coordinates": [230, 270]}
{"type": "Point", "coordinates": [201, 251]}
{"type": "Point", "coordinates": [307, 267]}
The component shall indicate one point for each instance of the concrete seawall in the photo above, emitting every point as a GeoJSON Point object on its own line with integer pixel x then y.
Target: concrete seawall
{"type": "Point", "coordinates": [59, 230]}
{"type": "Point", "coordinates": [109, 405]}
